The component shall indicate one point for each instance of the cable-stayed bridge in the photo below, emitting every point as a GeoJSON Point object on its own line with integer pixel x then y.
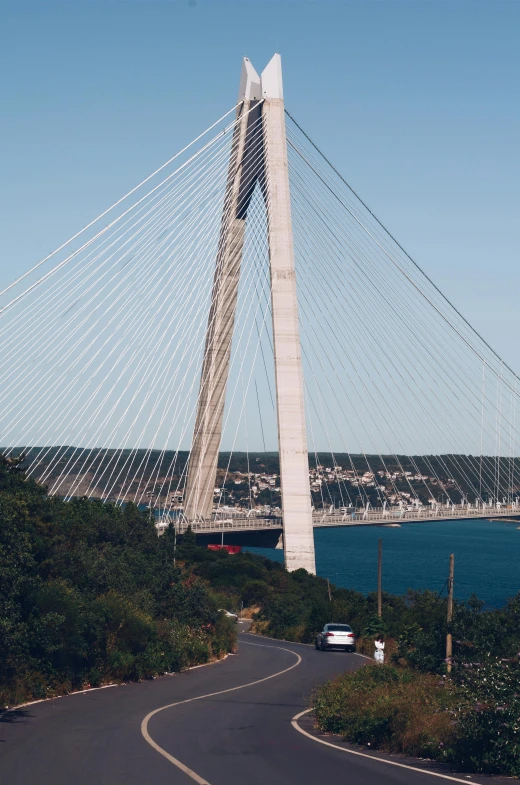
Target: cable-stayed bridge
{"type": "Point", "coordinates": [244, 297]}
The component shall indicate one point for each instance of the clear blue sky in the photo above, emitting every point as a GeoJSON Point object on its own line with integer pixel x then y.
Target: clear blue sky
{"type": "Point", "coordinates": [415, 101]}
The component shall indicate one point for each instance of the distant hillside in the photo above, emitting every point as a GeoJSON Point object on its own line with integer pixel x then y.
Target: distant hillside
{"type": "Point", "coordinates": [76, 471]}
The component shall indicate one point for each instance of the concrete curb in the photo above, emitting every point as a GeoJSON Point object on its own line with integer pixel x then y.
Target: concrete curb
{"type": "Point", "coordinates": [106, 686]}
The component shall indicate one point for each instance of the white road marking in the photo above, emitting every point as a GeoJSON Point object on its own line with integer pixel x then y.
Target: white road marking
{"type": "Point", "coordinates": [56, 697]}
{"type": "Point", "coordinates": [294, 723]}
{"type": "Point", "coordinates": [205, 664]}
{"type": "Point", "coordinates": [190, 773]}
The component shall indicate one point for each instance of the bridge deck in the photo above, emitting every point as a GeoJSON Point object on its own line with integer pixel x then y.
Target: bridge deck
{"type": "Point", "coordinates": [376, 517]}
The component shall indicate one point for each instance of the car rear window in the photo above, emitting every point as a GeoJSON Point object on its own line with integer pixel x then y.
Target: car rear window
{"type": "Point", "coordinates": [339, 628]}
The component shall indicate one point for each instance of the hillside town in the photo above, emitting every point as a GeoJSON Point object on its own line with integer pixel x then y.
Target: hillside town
{"type": "Point", "coordinates": [331, 486]}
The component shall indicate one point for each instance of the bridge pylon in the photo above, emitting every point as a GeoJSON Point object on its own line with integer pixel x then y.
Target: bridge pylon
{"type": "Point", "coordinates": [258, 156]}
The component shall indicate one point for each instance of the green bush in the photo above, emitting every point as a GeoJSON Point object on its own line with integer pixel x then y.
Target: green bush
{"type": "Point", "coordinates": [89, 593]}
{"type": "Point", "coordinates": [488, 726]}
{"type": "Point", "coordinates": [388, 708]}
{"type": "Point", "coordinates": [255, 592]}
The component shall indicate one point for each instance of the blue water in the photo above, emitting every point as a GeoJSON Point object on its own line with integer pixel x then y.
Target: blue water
{"type": "Point", "coordinates": [415, 556]}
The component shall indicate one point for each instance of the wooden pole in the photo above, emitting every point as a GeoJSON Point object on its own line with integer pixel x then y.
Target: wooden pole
{"type": "Point", "coordinates": [379, 578]}
{"type": "Point", "coordinates": [449, 638]}
{"type": "Point", "coordinates": [328, 588]}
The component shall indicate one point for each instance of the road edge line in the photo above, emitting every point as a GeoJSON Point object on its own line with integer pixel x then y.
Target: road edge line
{"type": "Point", "coordinates": [296, 726]}
{"type": "Point", "coordinates": [106, 686]}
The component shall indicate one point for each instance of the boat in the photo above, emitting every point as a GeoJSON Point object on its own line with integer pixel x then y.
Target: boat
{"type": "Point", "coordinates": [228, 548]}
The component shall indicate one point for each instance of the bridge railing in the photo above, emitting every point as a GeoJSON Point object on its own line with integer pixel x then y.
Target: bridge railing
{"type": "Point", "coordinates": [240, 521]}
{"type": "Point", "coordinates": [394, 514]}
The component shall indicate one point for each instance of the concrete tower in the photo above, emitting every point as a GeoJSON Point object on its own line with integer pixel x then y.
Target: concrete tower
{"type": "Point", "coordinates": [247, 139]}
{"type": "Point", "coordinates": [258, 154]}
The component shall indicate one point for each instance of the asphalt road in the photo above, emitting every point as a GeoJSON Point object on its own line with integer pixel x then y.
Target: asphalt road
{"type": "Point", "coordinates": [242, 736]}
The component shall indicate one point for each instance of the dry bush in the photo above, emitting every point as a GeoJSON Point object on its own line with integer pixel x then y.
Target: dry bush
{"type": "Point", "coordinates": [259, 626]}
{"type": "Point", "coordinates": [391, 709]}
{"type": "Point", "coordinates": [248, 613]}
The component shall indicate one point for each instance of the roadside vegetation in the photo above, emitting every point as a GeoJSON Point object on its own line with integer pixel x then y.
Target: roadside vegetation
{"type": "Point", "coordinates": [470, 720]}
{"type": "Point", "coordinates": [89, 594]}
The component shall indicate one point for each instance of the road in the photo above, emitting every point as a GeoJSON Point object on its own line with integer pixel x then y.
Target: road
{"type": "Point", "coordinates": [237, 735]}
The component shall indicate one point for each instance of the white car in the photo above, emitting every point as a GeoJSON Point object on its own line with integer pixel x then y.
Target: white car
{"type": "Point", "coordinates": [228, 614]}
{"type": "Point", "coordinates": [336, 636]}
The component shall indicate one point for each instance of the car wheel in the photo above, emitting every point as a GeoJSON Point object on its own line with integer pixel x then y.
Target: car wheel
{"type": "Point", "coordinates": [322, 646]}
{"type": "Point", "coordinates": [316, 644]}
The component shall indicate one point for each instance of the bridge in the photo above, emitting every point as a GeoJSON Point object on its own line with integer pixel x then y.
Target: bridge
{"type": "Point", "coordinates": [240, 525]}
{"type": "Point", "coordinates": [244, 294]}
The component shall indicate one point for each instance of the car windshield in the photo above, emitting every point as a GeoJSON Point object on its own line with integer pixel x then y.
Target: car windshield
{"type": "Point", "coordinates": [339, 628]}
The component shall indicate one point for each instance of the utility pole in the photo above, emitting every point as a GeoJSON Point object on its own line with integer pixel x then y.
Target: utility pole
{"type": "Point", "coordinates": [328, 589]}
{"type": "Point", "coordinates": [379, 578]}
{"type": "Point", "coordinates": [449, 637]}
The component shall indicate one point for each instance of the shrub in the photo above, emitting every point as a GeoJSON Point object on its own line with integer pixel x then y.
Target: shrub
{"type": "Point", "coordinates": [488, 727]}
{"type": "Point", "coordinates": [388, 708]}
{"type": "Point", "coordinates": [254, 592]}
{"type": "Point", "coordinates": [472, 721]}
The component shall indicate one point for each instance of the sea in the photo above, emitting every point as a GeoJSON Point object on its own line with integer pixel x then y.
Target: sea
{"type": "Point", "coordinates": [416, 556]}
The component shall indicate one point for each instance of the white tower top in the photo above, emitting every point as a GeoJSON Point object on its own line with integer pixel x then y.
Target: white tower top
{"type": "Point", "coordinates": [269, 85]}
{"type": "Point", "coordinates": [249, 89]}
{"type": "Point", "coordinates": [272, 86]}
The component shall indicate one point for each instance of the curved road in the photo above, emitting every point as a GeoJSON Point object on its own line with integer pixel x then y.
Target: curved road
{"type": "Point", "coordinates": [236, 735]}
